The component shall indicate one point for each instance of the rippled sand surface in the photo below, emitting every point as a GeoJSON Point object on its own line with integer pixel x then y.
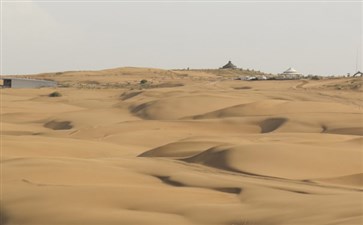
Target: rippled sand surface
{"type": "Point", "coordinates": [187, 147]}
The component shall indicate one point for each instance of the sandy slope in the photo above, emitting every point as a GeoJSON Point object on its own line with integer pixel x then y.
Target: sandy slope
{"type": "Point", "coordinates": [213, 151]}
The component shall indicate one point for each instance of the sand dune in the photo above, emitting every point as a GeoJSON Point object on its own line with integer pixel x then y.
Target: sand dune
{"type": "Point", "coordinates": [180, 107]}
{"type": "Point", "coordinates": [179, 149]}
{"type": "Point", "coordinates": [279, 107]}
{"type": "Point", "coordinates": [212, 150]}
{"type": "Point", "coordinates": [284, 160]}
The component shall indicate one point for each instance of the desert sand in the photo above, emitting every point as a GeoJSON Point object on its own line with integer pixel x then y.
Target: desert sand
{"type": "Point", "coordinates": [187, 147]}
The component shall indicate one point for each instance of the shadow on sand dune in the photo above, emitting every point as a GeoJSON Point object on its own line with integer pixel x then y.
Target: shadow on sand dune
{"type": "Point", "coordinates": [271, 124]}
{"type": "Point", "coordinates": [230, 190]}
{"type": "Point", "coordinates": [59, 125]}
{"type": "Point", "coordinates": [4, 219]}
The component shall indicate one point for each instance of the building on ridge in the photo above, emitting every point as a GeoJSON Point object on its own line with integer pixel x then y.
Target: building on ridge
{"type": "Point", "coordinates": [229, 65]}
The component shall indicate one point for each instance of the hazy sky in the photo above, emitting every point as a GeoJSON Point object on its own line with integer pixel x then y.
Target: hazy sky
{"type": "Point", "coordinates": [313, 37]}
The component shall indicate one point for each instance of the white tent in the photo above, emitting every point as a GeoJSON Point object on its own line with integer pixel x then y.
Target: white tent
{"type": "Point", "coordinates": [291, 71]}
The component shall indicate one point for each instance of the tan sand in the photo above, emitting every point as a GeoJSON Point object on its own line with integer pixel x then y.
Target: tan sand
{"type": "Point", "coordinates": [188, 147]}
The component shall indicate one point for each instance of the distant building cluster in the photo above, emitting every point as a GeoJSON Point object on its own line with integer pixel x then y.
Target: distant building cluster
{"type": "Point", "coordinates": [288, 74]}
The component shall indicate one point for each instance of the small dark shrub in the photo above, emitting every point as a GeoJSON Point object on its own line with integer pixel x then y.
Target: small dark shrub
{"type": "Point", "coordinates": [55, 94]}
{"type": "Point", "coordinates": [143, 81]}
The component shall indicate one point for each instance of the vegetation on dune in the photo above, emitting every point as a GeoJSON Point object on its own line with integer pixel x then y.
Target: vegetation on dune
{"type": "Point", "coordinates": [143, 82]}
{"type": "Point", "coordinates": [55, 94]}
{"type": "Point", "coordinates": [315, 77]}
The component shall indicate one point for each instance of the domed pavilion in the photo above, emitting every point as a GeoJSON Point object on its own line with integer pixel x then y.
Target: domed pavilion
{"type": "Point", "coordinates": [229, 65]}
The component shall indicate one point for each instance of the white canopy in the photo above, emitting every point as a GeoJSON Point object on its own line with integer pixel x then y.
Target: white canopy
{"type": "Point", "coordinates": [291, 71]}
